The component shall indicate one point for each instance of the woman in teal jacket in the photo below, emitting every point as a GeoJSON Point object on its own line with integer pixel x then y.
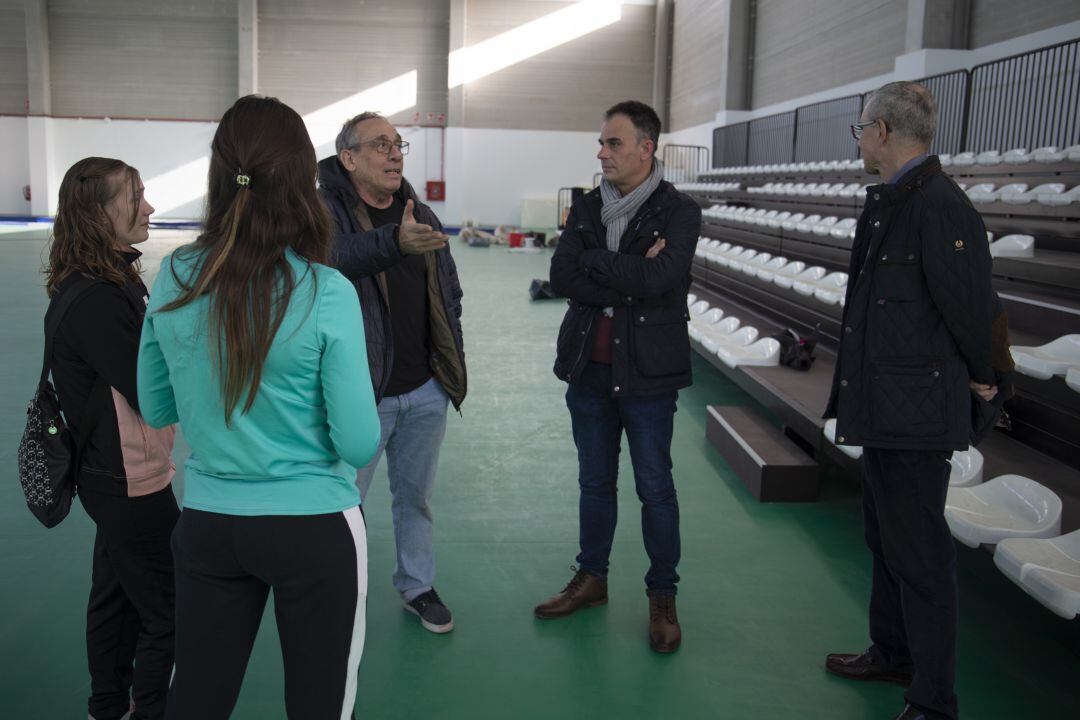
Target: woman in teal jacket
{"type": "Point", "coordinates": [257, 349]}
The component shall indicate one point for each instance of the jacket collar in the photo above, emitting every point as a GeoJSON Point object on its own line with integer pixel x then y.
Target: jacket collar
{"type": "Point", "coordinates": [886, 194]}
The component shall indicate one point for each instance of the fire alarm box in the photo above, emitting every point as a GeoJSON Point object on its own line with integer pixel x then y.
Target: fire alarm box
{"type": "Point", "coordinates": [436, 190]}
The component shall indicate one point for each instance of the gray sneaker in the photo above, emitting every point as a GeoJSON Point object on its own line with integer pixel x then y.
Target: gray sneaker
{"type": "Point", "coordinates": [433, 614]}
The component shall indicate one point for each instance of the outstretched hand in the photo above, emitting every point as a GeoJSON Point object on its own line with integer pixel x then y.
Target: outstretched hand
{"type": "Point", "coordinates": [417, 238]}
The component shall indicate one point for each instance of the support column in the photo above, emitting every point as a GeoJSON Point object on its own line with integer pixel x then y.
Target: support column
{"type": "Point", "coordinates": [661, 86]}
{"type": "Point", "coordinates": [737, 41]}
{"type": "Point", "coordinates": [937, 24]}
{"type": "Point", "coordinates": [248, 46]}
{"type": "Point", "coordinates": [44, 182]}
{"type": "Point", "coordinates": [456, 136]}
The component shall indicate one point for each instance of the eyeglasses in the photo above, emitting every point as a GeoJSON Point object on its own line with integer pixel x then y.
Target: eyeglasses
{"type": "Point", "coordinates": [383, 146]}
{"type": "Point", "coordinates": [857, 128]}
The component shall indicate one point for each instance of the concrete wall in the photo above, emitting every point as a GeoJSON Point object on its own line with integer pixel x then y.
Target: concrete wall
{"type": "Point", "coordinates": [314, 54]}
{"type": "Point", "coordinates": [697, 62]}
{"type": "Point", "coordinates": [12, 57]}
{"type": "Point", "coordinates": [996, 20]}
{"type": "Point", "coordinates": [566, 87]}
{"type": "Point", "coordinates": [136, 58]}
{"type": "Point", "coordinates": [802, 46]}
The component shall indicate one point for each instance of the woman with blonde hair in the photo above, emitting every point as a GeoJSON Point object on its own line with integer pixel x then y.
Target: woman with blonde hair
{"type": "Point", "coordinates": [124, 473]}
{"type": "Point", "coordinates": [257, 348]}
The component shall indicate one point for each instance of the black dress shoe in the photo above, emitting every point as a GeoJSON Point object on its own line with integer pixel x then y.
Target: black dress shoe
{"type": "Point", "coordinates": [911, 713]}
{"type": "Point", "coordinates": [864, 667]}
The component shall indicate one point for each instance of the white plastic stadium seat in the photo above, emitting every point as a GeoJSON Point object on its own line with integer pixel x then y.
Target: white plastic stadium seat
{"type": "Point", "coordinates": [1047, 569]}
{"type": "Point", "coordinates": [698, 322]}
{"type": "Point", "coordinates": [712, 333]}
{"type": "Point", "coordinates": [1072, 153]}
{"type": "Point", "coordinates": [809, 275]}
{"type": "Point", "coordinates": [1048, 154]}
{"type": "Point", "coordinates": [774, 222]}
{"type": "Point", "coordinates": [1044, 361]}
{"type": "Point", "coordinates": [790, 270]}
{"type": "Point", "coordinates": [945, 159]}
{"type": "Point", "coordinates": [763, 353]}
{"type": "Point", "coordinates": [823, 226]}
{"type": "Point", "coordinates": [852, 451]}
{"type": "Point", "coordinates": [1013, 246]}
{"type": "Point", "coordinates": [691, 298]}
{"type": "Point", "coordinates": [807, 223]}
{"type": "Point", "coordinates": [1026, 196]}
{"type": "Point", "coordinates": [982, 193]}
{"type": "Point", "coordinates": [740, 337]}
{"type": "Point", "coordinates": [832, 281]}
{"type": "Point", "coordinates": [1016, 156]}
{"type": "Point", "coordinates": [967, 468]}
{"type": "Point", "coordinates": [1064, 198]}
{"type": "Point", "coordinates": [792, 221]}
{"type": "Point", "coordinates": [745, 256]}
{"type": "Point", "coordinates": [989, 157]}
{"type": "Point", "coordinates": [1072, 378]}
{"type": "Point", "coordinates": [698, 308]}
{"type": "Point", "coordinates": [759, 261]}
{"type": "Point", "coordinates": [841, 229]}
{"type": "Point", "coordinates": [768, 271]}
{"type": "Point", "coordinates": [1007, 506]}
{"type": "Point", "coordinates": [964, 159]}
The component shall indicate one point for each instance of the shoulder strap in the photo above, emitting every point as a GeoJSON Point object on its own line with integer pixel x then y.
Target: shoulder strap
{"type": "Point", "coordinates": [55, 315]}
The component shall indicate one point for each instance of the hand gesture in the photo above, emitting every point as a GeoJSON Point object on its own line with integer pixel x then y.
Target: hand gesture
{"type": "Point", "coordinates": [416, 238]}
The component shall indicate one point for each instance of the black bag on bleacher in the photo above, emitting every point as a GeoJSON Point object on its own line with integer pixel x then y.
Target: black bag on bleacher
{"type": "Point", "coordinates": [796, 352]}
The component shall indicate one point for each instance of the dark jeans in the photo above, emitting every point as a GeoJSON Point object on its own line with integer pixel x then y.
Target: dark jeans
{"type": "Point", "coordinates": [599, 421]}
{"type": "Point", "coordinates": [129, 617]}
{"type": "Point", "coordinates": [913, 603]}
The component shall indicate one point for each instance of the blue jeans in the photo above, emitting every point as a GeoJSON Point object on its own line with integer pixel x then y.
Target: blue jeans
{"type": "Point", "coordinates": [598, 421]}
{"type": "Point", "coordinates": [413, 426]}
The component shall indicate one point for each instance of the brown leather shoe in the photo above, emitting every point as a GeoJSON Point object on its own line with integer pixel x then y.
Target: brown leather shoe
{"type": "Point", "coordinates": [664, 631]}
{"type": "Point", "coordinates": [584, 590]}
{"type": "Point", "coordinates": [862, 666]}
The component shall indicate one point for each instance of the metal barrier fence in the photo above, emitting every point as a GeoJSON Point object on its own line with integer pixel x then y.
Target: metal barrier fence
{"type": "Point", "coordinates": [822, 130]}
{"type": "Point", "coordinates": [566, 199]}
{"type": "Point", "coordinates": [771, 139]}
{"type": "Point", "coordinates": [683, 163]}
{"type": "Point", "coordinates": [1027, 100]}
{"type": "Point", "coordinates": [729, 145]}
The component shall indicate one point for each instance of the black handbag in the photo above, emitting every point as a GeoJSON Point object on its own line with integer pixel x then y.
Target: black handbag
{"type": "Point", "coordinates": [49, 458]}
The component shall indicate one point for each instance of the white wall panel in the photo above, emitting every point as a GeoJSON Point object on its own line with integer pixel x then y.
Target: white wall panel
{"type": "Point", "coordinates": [803, 46]}
{"type": "Point", "coordinates": [15, 172]}
{"type": "Point", "coordinates": [148, 58]}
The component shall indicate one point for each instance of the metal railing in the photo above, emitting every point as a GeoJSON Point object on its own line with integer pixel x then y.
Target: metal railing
{"type": "Point", "coordinates": [821, 130]}
{"type": "Point", "coordinates": [683, 163]}
{"type": "Point", "coordinates": [1026, 100]}
{"type": "Point", "coordinates": [771, 139]}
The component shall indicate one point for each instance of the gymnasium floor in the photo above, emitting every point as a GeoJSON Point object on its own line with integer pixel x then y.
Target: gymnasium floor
{"type": "Point", "coordinates": [767, 590]}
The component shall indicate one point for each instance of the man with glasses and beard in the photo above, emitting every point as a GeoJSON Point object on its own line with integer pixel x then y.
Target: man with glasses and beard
{"type": "Point", "coordinates": [391, 246]}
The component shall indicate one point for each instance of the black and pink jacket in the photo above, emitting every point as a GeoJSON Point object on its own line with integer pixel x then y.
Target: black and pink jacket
{"type": "Point", "coordinates": [99, 337]}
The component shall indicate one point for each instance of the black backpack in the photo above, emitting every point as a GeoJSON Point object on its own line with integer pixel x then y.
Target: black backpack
{"type": "Point", "coordinates": [797, 352]}
{"type": "Point", "coordinates": [49, 459]}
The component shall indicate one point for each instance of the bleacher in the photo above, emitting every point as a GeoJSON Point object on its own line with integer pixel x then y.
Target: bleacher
{"type": "Point", "coordinates": [776, 238]}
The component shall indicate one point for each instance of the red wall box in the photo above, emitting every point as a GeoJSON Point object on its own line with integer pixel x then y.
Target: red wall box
{"type": "Point", "coordinates": [436, 190]}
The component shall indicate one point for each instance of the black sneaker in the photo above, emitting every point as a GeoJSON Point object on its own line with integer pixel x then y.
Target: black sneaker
{"type": "Point", "coordinates": [433, 614]}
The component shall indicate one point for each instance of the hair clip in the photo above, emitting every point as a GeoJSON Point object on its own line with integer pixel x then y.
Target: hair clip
{"type": "Point", "coordinates": [243, 180]}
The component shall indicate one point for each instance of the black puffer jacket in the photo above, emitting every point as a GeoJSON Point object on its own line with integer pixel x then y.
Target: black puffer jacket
{"type": "Point", "coordinates": [917, 317]}
{"type": "Point", "coordinates": [362, 253]}
{"type": "Point", "coordinates": [651, 353]}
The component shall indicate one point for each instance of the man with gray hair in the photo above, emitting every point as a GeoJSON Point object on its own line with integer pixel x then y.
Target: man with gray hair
{"type": "Point", "coordinates": [914, 351]}
{"type": "Point", "coordinates": [391, 246]}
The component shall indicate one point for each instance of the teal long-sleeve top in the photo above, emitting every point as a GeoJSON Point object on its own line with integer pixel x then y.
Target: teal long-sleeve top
{"type": "Point", "coordinates": [314, 418]}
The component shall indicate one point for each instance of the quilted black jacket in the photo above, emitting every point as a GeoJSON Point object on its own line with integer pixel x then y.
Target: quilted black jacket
{"type": "Point", "coordinates": [651, 353]}
{"type": "Point", "coordinates": [361, 253]}
{"type": "Point", "coordinates": [917, 317]}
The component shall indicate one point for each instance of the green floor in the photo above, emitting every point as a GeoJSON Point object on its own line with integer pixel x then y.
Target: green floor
{"type": "Point", "coordinates": [767, 590]}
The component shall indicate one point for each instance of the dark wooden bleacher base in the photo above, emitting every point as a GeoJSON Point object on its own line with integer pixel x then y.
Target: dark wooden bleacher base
{"type": "Point", "coordinates": [771, 466]}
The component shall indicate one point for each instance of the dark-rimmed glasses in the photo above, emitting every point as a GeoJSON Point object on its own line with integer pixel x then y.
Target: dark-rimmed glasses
{"type": "Point", "coordinates": [383, 146]}
{"type": "Point", "coordinates": [857, 128]}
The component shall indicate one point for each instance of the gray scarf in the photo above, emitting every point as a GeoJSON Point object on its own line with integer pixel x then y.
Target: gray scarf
{"type": "Point", "coordinates": [618, 209]}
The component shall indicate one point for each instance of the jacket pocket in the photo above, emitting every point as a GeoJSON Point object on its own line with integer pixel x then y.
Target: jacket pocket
{"type": "Point", "coordinates": [573, 334]}
{"type": "Point", "coordinates": [909, 397]}
{"type": "Point", "coordinates": [660, 344]}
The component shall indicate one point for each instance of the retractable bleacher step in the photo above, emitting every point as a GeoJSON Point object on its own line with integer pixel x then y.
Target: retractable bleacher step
{"type": "Point", "coordinates": [771, 466]}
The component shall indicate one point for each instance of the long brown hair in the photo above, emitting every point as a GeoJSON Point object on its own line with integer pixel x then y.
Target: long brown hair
{"type": "Point", "coordinates": [83, 238]}
{"type": "Point", "coordinates": [261, 202]}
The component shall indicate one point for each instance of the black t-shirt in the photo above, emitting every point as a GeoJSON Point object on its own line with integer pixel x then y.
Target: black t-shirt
{"type": "Point", "coordinates": [407, 285]}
